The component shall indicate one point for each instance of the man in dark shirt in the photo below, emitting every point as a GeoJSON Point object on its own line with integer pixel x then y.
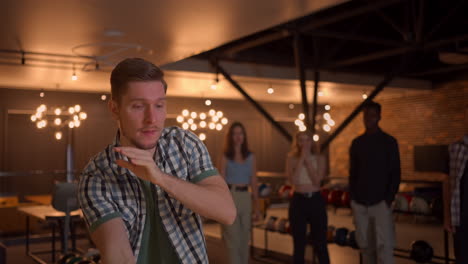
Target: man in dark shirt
{"type": "Point", "coordinates": [374, 178]}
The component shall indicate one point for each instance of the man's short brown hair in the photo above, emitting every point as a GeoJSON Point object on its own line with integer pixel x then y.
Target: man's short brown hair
{"type": "Point", "coordinates": [133, 70]}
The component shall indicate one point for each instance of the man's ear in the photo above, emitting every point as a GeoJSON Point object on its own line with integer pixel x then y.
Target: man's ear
{"type": "Point", "coordinates": [114, 109]}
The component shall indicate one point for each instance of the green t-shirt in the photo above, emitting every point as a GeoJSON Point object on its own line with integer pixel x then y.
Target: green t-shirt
{"type": "Point", "coordinates": [155, 245]}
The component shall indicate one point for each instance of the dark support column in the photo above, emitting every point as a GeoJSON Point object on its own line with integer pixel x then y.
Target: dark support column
{"type": "Point", "coordinates": [358, 109]}
{"type": "Point", "coordinates": [275, 124]}
{"type": "Point", "coordinates": [315, 102]}
{"type": "Point", "coordinates": [298, 54]}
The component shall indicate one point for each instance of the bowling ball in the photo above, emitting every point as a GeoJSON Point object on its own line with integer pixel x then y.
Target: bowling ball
{"type": "Point", "coordinates": [334, 197]}
{"type": "Point", "coordinates": [345, 199]}
{"type": "Point", "coordinates": [341, 235]}
{"type": "Point", "coordinates": [419, 205]}
{"type": "Point", "coordinates": [65, 258]}
{"type": "Point", "coordinates": [421, 251]}
{"type": "Point", "coordinates": [281, 225]}
{"type": "Point", "coordinates": [264, 190]}
{"type": "Point", "coordinates": [352, 240]}
{"type": "Point", "coordinates": [324, 192]}
{"type": "Point", "coordinates": [285, 191]}
{"type": "Point", "coordinates": [270, 223]}
{"type": "Point", "coordinates": [400, 203]}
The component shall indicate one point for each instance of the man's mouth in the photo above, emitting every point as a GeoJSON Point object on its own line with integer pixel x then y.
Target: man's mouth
{"type": "Point", "coordinates": [149, 132]}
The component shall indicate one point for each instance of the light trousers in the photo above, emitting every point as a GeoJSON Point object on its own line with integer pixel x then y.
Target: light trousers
{"type": "Point", "coordinates": [375, 232]}
{"type": "Point", "coordinates": [237, 236]}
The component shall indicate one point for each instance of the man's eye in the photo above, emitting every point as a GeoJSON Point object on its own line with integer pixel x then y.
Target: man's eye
{"type": "Point", "coordinates": [137, 106]}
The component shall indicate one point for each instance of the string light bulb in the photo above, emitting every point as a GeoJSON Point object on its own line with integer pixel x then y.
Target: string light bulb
{"type": "Point", "coordinates": [58, 135]}
{"type": "Point", "coordinates": [202, 136]}
{"type": "Point", "coordinates": [270, 90]}
{"type": "Point", "coordinates": [83, 115]}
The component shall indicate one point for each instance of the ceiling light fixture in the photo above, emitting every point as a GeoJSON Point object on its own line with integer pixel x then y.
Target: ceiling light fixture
{"type": "Point", "coordinates": [213, 120]}
{"type": "Point", "coordinates": [60, 117]}
{"type": "Point", "coordinates": [74, 77]}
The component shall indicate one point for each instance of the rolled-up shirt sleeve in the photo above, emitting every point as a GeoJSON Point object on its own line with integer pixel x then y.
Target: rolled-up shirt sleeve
{"type": "Point", "coordinates": [201, 166]}
{"type": "Point", "coordinates": [95, 200]}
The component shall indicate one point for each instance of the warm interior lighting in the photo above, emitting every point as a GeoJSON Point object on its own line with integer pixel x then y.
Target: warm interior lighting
{"type": "Point", "coordinates": [83, 115]}
{"type": "Point", "coordinates": [316, 137]}
{"type": "Point", "coordinates": [77, 108]}
{"type": "Point", "coordinates": [202, 136]}
{"type": "Point", "coordinates": [58, 135]}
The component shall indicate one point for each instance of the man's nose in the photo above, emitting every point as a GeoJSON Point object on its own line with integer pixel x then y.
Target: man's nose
{"type": "Point", "coordinates": [150, 115]}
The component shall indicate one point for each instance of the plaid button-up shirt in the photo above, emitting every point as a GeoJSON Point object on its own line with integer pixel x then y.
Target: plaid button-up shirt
{"type": "Point", "coordinates": [107, 191]}
{"type": "Point", "coordinates": [458, 152]}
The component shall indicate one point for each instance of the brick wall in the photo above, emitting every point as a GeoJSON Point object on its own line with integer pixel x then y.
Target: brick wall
{"type": "Point", "coordinates": [437, 117]}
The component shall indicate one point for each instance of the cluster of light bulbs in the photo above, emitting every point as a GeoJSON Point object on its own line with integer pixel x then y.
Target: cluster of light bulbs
{"type": "Point", "coordinates": [61, 117]}
{"type": "Point", "coordinates": [328, 124]}
{"type": "Point", "coordinates": [194, 121]}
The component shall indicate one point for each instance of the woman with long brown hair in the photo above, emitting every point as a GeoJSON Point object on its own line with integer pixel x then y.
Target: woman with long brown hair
{"type": "Point", "coordinates": [305, 171]}
{"type": "Point", "coordinates": [238, 167]}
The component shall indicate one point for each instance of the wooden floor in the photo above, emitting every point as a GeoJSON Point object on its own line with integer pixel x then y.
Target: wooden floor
{"type": "Point", "coordinates": [280, 245]}
{"type": "Point", "coordinates": [216, 253]}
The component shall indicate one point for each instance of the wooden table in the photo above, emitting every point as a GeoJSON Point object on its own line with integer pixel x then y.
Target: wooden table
{"type": "Point", "coordinates": [45, 199]}
{"type": "Point", "coordinates": [47, 213]}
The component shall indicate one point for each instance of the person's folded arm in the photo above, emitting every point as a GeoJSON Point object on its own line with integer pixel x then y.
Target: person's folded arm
{"type": "Point", "coordinates": [112, 242]}
{"type": "Point", "coordinates": [209, 197]}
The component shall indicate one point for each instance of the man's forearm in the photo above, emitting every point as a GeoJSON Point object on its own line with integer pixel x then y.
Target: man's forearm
{"type": "Point", "coordinates": [209, 198]}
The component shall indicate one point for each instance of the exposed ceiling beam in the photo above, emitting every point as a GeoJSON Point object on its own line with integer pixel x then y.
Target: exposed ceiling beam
{"type": "Point", "coordinates": [440, 70]}
{"type": "Point", "coordinates": [393, 52]}
{"type": "Point", "coordinates": [301, 75]}
{"type": "Point", "coordinates": [450, 15]}
{"type": "Point", "coordinates": [230, 50]}
{"type": "Point", "coordinates": [354, 37]}
{"type": "Point", "coordinates": [260, 109]}
{"type": "Point", "coordinates": [369, 57]}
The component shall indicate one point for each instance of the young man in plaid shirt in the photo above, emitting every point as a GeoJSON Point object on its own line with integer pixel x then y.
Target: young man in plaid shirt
{"type": "Point", "coordinates": [142, 196]}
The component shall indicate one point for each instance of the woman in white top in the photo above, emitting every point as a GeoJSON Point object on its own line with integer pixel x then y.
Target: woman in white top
{"type": "Point", "coordinates": [305, 171]}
